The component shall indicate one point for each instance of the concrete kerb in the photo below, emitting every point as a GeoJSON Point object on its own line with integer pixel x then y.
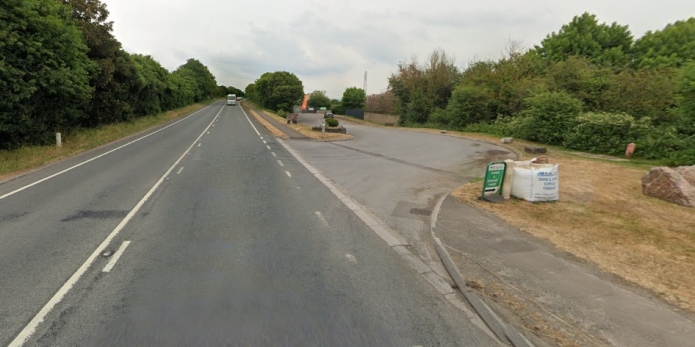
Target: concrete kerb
{"type": "Point", "coordinates": [503, 331]}
{"type": "Point", "coordinates": [397, 243]}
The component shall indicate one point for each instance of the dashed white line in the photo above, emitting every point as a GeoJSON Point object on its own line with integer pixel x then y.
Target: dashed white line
{"type": "Point", "coordinates": [268, 147]}
{"type": "Point", "coordinates": [178, 172]}
{"type": "Point", "coordinates": [114, 258]}
{"type": "Point", "coordinates": [264, 141]}
{"type": "Point", "coordinates": [318, 214]}
{"type": "Point", "coordinates": [351, 258]}
{"type": "Point", "coordinates": [288, 173]}
{"type": "Point", "coordinates": [30, 328]}
{"type": "Point", "coordinates": [261, 137]}
{"type": "Point", "coordinates": [199, 145]}
{"type": "Point", "coordinates": [98, 156]}
{"type": "Point", "coordinates": [280, 162]}
{"type": "Point", "coordinates": [274, 155]}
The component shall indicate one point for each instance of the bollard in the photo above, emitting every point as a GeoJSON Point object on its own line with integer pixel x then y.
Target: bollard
{"type": "Point", "coordinates": [59, 142]}
{"type": "Point", "coordinates": [508, 176]}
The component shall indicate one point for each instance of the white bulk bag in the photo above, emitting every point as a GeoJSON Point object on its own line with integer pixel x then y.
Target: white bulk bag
{"type": "Point", "coordinates": [536, 182]}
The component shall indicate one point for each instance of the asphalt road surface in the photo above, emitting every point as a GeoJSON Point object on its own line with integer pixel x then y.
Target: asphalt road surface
{"type": "Point", "coordinates": [212, 234]}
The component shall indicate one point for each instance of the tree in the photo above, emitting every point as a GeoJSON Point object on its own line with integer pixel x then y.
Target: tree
{"type": "Point", "coordinates": [279, 90]}
{"type": "Point", "coordinates": [686, 100]}
{"type": "Point", "coordinates": [603, 44]}
{"type": "Point", "coordinates": [204, 80]}
{"type": "Point", "coordinates": [44, 71]}
{"type": "Point", "coordinates": [354, 98]}
{"type": "Point", "coordinates": [674, 46]}
{"type": "Point", "coordinates": [319, 99]}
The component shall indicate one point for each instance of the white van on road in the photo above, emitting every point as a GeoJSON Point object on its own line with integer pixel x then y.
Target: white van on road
{"type": "Point", "coordinates": [231, 99]}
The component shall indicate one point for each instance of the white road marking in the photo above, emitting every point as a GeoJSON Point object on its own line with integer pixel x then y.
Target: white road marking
{"type": "Point", "coordinates": [114, 258]}
{"type": "Point", "coordinates": [351, 257]}
{"type": "Point", "coordinates": [281, 164]}
{"type": "Point", "coordinates": [318, 214]}
{"type": "Point", "coordinates": [288, 173]}
{"type": "Point", "coordinates": [264, 141]}
{"type": "Point", "coordinates": [30, 328]}
{"type": "Point", "coordinates": [178, 172]}
{"type": "Point", "coordinates": [199, 145]}
{"type": "Point", "coordinates": [261, 137]}
{"type": "Point", "coordinates": [268, 147]}
{"type": "Point", "coordinates": [274, 155]}
{"type": "Point", "coordinates": [97, 157]}
{"type": "Point", "coordinates": [208, 132]}
{"type": "Point", "coordinates": [248, 119]}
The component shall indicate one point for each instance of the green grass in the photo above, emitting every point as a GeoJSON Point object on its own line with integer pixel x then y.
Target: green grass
{"type": "Point", "coordinates": [80, 140]}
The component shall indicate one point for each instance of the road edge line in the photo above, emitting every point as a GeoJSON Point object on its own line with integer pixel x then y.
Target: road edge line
{"type": "Point", "coordinates": [396, 242]}
{"type": "Point", "coordinates": [31, 327]}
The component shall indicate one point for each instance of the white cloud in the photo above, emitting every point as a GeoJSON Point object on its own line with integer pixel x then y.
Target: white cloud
{"type": "Point", "coordinates": [330, 44]}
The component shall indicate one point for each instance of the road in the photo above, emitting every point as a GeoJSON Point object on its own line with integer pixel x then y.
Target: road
{"type": "Point", "coordinates": [213, 234]}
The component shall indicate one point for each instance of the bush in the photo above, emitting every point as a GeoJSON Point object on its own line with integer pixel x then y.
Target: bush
{"type": "Point", "coordinates": [548, 118]}
{"type": "Point", "coordinates": [338, 109]}
{"type": "Point", "coordinates": [667, 145]}
{"type": "Point", "coordinates": [468, 105]}
{"type": "Point", "coordinates": [332, 122]}
{"type": "Point", "coordinates": [602, 132]}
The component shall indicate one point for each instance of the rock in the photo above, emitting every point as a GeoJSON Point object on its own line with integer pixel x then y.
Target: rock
{"type": "Point", "coordinates": [507, 140]}
{"type": "Point", "coordinates": [688, 172]}
{"type": "Point", "coordinates": [541, 160]}
{"type": "Point", "coordinates": [667, 184]}
{"type": "Point", "coordinates": [530, 149]}
{"type": "Point", "coordinates": [443, 131]}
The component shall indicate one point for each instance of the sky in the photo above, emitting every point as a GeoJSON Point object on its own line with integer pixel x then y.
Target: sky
{"type": "Point", "coordinates": [330, 44]}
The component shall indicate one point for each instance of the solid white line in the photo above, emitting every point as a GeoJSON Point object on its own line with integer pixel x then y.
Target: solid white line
{"type": "Point", "coordinates": [248, 119]}
{"type": "Point", "coordinates": [181, 169]}
{"type": "Point", "coordinates": [323, 220]}
{"type": "Point", "coordinates": [268, 147]}
{"type": "Point", "coordinates": [114, 258]}
{"type": "Point", "coordinates": [288, 173]}
{"type": "Point", "coordinates": [281, 164]}
{"type": "Point", "coordinates": [97, 157]}
{"type": "Point", "coordinates": [351, 257]}
{"type": "Point", "coordinates": [34, 323]}
{"type": "Point", "coordinates": [274, 155]}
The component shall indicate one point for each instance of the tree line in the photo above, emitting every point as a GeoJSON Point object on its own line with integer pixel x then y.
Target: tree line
{"type": "Point", "coordinates": [590, 86]}
{"type": "Point", "coordinates": [62, 69]}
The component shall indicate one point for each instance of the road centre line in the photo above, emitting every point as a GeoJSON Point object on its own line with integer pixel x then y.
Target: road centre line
{"type": "Point", "coordinates": [280, 162]}
{"type": "Point", "coordinates": [268, 146]}
{"type": "Point", "coordinates": [264, 141]}
{"type": "Point", "coordinates": [288, 174]}
{"type": "Point", "coordinates": [351, 257]}
{"type": "Point", "coordinates": [181, 169]}
{"type": "Point", "coordinates": [274, 155]}
{"type": "Point", "coordinates": [115, 257]}
{"type": "Point", "coordinates": [30, 328]}
{"type": "Point", "coordinates": [97, 157]}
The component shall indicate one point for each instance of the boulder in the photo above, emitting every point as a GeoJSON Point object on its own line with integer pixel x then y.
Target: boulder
{"type": "Point", "coordinates": [507, 140]}
{"type": "Point", "coordinates": [667, 184]}
{"type": "Point", "coordinates": [688, 172]}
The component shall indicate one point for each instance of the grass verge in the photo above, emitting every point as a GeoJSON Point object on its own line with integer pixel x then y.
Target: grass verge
{"type": "Point", "coordinates": [79, 140]}
{"type": "Point", "coordinates": [273, 130]}
{"type": "Point", "coordinates": [603, 217]}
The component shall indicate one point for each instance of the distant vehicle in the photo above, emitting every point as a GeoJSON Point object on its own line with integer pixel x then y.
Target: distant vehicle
{"type": "Point", "coordinates": [231, 99]}
{"type": "Point", "coordinates": [238, 98]}
{"type": "Point", "coordinates": [328, 115]}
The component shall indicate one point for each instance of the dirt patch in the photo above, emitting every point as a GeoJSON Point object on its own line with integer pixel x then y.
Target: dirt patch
{"type": "Point", "coordinates": [273, 130]}
{"type": "Point", "coordinates": [306, 131]}
{"type": "Point", "coordinates": [603, 217]}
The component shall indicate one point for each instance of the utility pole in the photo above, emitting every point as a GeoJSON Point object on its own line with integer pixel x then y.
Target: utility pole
{"type": "Point", "coordinates": [365, 83]}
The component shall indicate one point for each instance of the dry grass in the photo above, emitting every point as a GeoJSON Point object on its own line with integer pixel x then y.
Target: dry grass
{"type": "Point", "coordinates": [27, 158]}
{"type": "Point", "coordinates": [603, 217]}
{"type": "Point", "coordinates": [273, 130]}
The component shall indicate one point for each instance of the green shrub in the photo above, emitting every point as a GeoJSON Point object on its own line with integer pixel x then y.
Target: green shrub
{"type": "Point", "coordinates": [601, 132]}
{"type": "Point", "coordinates": [332, 122]}
{"type": "Point", "coordinates": [547, 118]}
{"type": "Point", "coordinates": [468, 105]}
{"type": "Point", "coordinates": [338, 109]}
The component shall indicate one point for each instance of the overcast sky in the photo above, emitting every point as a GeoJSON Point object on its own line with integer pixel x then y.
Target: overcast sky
{"type": "Point", "coordinates": [330, 44]}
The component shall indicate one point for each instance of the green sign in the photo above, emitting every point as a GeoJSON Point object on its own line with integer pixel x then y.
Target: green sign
{"type": "Point", "coordinates": [494, 178]}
